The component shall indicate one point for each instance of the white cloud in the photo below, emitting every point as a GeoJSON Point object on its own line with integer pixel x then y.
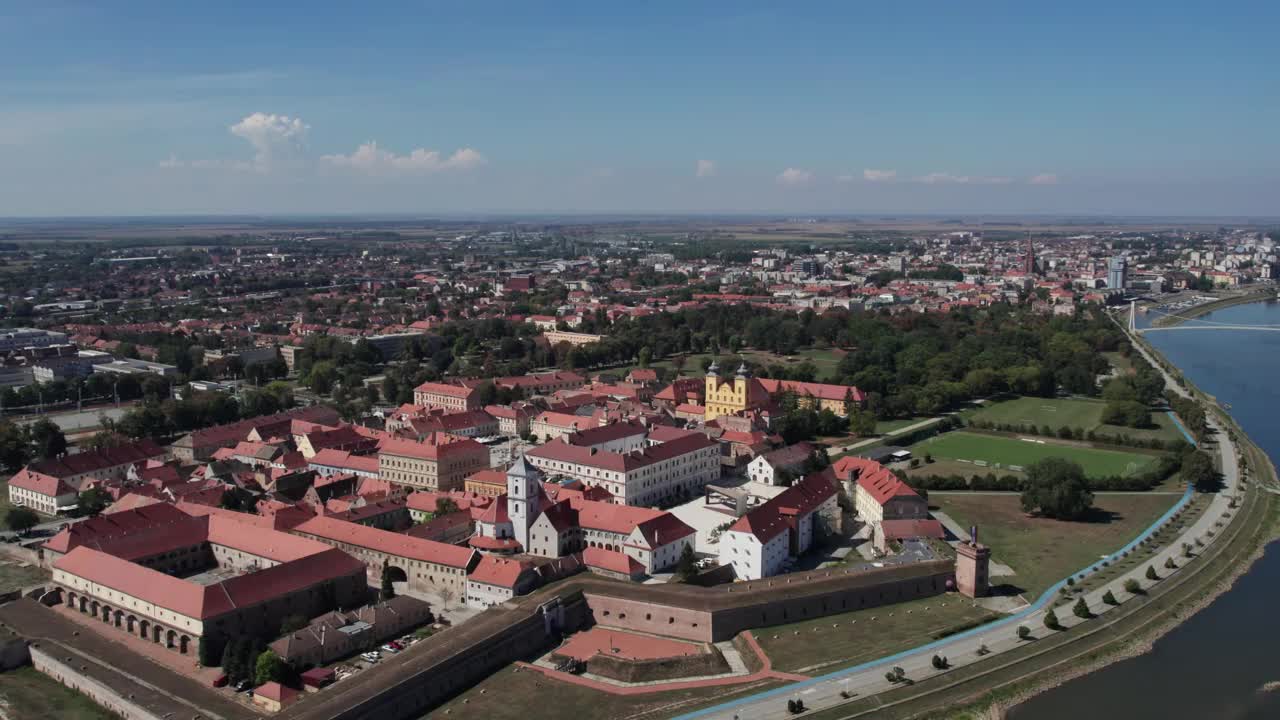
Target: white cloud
{"type": "Point", "coordinates": [794, 176]}
{"type": "Point", "coordinates": [844, 178]}
{"type": "Point", "coordinates": [946, 178]}
{"type": "Point", "coordinates": [1044, 179]}
{"type": "Point", "coordinates": [372, 159]}
{"type": "Point", "coordinates": [879, 175]}
{"type": "Point", "coordinates": [273, 137]}
{"type": "Point", "coordinates": [706, 168]}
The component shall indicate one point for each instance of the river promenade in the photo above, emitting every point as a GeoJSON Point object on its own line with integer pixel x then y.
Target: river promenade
{"type": "Point", "coordinates": [1000, 637]}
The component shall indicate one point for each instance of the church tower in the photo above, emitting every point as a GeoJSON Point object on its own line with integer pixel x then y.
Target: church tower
{"type": "Point", "coordinates": [524, 498]}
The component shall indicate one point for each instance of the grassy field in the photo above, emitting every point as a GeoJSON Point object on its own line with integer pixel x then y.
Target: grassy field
{"type": "Point", "coordinates": [524, 695]}
{"type": "Point", "coordinates": [1006, 451]}
{"type": "Point", "coordinates": [829, 643]}
{"type": "Point", "coordinates": [1043, 551]}
{"type": "Point", "coordinates": [13, 576]}
{"type": "Point", "coordinates": [25, 693]}
{"type": "Point", "coordinates": [1070, 412]}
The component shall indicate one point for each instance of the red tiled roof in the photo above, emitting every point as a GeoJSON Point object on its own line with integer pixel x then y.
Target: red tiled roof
{"type": "Point", "coordinates": [430, 450]}
{"type": "Point", "coordinates": [611, 560]}
{"type": "Point", "coordinates": [38, 482]}
{"type": "Point", "coordinates": [436, 388]}
{"type": "Point", "coordinates": [92, 461]}
{"type": "Point", "coordinates": [499, 572]}
{"type": "Point", "coordinates": [781, 512]}
{"type": "Point", "coordinates": [906, 529]}
{"type": "Point", "coordinates": [873, 477]}
{"type": "Point", "coordinates": [387, 542]}
{"type": "Point", "coordinates": [621, 462]}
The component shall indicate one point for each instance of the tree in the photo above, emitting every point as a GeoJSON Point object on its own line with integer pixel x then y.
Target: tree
{"type": "Point", "coordinates": [1056, 488]}
{"type": "Point", "coordinates": [1051, 619]}
{"type": "Point", "coordinates": [939, 662]}
{"type": "Point", "coordinates": [204, 652]}
{"type": "Point", "coordinates": [645, 355]}
{"type": "Point", "coordinates": [445, 506]}
{"type": "Point", "coordinates": [1109, 598]}
{"type": "Point", "coordinates": [21, 519]}
{"type": "Point", "coordinates": [1198, 471]}
{"type": "Point", "coordinates": [686, 567]}
{"type": "Point", "coordinates": [861, 422]}
{"type": "Point", "coordinates": [1151, 573]}
{"type": "Point", "coordinates": [269, 667]}
{"type": "Point", "coordinates": [93, 501]}
{"type": "Point", "coordinates": [15, 447]}
{"type": "Point", "coordinates": [47, 439]}
{"type": "Point", "coordinates": [388, 584]}
{"type": "Point", "coordinates": [1132, 587]}
{"type": "Point", "coordinates": [1081, 609]}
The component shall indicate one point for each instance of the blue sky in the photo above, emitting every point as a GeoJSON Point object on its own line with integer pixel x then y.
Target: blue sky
{"type": "Point", "coordinates": [169, 108]}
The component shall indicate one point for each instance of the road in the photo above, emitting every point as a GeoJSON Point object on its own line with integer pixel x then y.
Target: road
{"type": "Point", "coordinates": [836, 450]}
{"type": "Point", "coordinates": [998, 637]}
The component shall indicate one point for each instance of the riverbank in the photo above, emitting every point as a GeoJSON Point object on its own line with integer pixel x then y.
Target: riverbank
{"type": "Point", "coordinates": [1220, 304]}
{"type": "Point", "coordinates": [971, 693]}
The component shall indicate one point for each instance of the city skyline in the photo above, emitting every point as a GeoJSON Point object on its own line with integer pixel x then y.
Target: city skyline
{"type": "Point", "coordinates": [153, 110]}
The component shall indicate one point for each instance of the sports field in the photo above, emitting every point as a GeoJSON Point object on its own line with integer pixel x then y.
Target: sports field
{"type": "Point", "coordinates": [1070, 412]}
{"type": "Point", "coordinates": [1013, 451]}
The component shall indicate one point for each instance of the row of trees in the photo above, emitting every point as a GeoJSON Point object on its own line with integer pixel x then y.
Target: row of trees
{"type": "Point", "coordinates": [21, 444]}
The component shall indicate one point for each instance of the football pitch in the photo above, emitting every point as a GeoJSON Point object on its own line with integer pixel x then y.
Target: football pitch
{"type": "Point", "coordinates": [991, 454]}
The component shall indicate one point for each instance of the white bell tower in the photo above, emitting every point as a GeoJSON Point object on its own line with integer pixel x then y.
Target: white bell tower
{"type": "Point", "coordinates": [524, 498]}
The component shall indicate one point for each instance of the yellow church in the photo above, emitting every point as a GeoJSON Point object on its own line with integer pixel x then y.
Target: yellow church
{"type": "Point", "coordinates": [744, 392]}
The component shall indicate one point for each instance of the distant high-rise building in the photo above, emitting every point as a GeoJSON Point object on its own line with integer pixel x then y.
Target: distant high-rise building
{"type": "Point", "coordinates": [1117, 273]}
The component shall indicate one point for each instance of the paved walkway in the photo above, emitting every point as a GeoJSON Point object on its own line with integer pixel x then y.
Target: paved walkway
{"type": "Point", "coordinates": [836, 450]}
{"type": "Point", "coordinates": [1000, 636]}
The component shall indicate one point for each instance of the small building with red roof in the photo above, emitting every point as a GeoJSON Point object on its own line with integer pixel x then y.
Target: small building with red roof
{"type": "Point", "coordinates": [495, 580]}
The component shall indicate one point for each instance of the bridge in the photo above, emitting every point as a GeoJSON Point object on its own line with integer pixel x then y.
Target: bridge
{"type": "Point", "coordinates": [1200, 324]}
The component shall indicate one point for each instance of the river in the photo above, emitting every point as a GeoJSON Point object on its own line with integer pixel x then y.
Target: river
{"type": "Point", "coordinates": [1213, 665]}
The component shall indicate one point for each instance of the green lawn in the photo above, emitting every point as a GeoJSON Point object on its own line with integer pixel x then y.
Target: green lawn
{"type": "Point", "coordinates": [1007, 451]}
{"type": "Point", "coordinates": [26, 693]}
{"type": "Point", "coordinates": [529, 695]}
{"type": "Point", "coordinates": [1043, 551]}
{"type": "Point", "coordinates": [835, 641]}
{"type": "Point", "coordinates": [1081, 413]}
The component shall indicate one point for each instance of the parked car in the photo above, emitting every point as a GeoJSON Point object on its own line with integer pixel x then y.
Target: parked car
{"type": "Point", "coordinates": [221, 681]}
{"type": "Point", "coordinates": [243, 685]}
{"type": "Point", "coordinates": [370, 657]}
{"type": "Point", "coordinates": [393, 646]}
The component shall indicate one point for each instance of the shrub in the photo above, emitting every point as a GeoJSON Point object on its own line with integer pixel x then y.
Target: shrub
{"type": "Point", "coordinates": [1024, 632]}
{"type": "Point", "coordinates": [939, 662]}
{"type": "Point", "coordinates": [1051, 619]}
{"type": "Point", "coordinates": [1151, 573]}
{"type": "Point", "coordinates": [1081, 609]}
{"type": "Point", "coordinates": [1132, 587]}
{"type": "Point", "coordinates": [1110, 599]}
{"type": "Point", "coordinates": [1169, 564]}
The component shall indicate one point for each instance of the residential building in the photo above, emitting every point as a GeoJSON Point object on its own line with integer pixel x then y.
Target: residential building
{"type": "Point", "coordinates": [765, 541]}
{"type": "Point", "coordinates": [663, 472]}
{"type": "Point", "coordinates": [446, 395]}
{"type": "Point", "coordinates": [441, 462]}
